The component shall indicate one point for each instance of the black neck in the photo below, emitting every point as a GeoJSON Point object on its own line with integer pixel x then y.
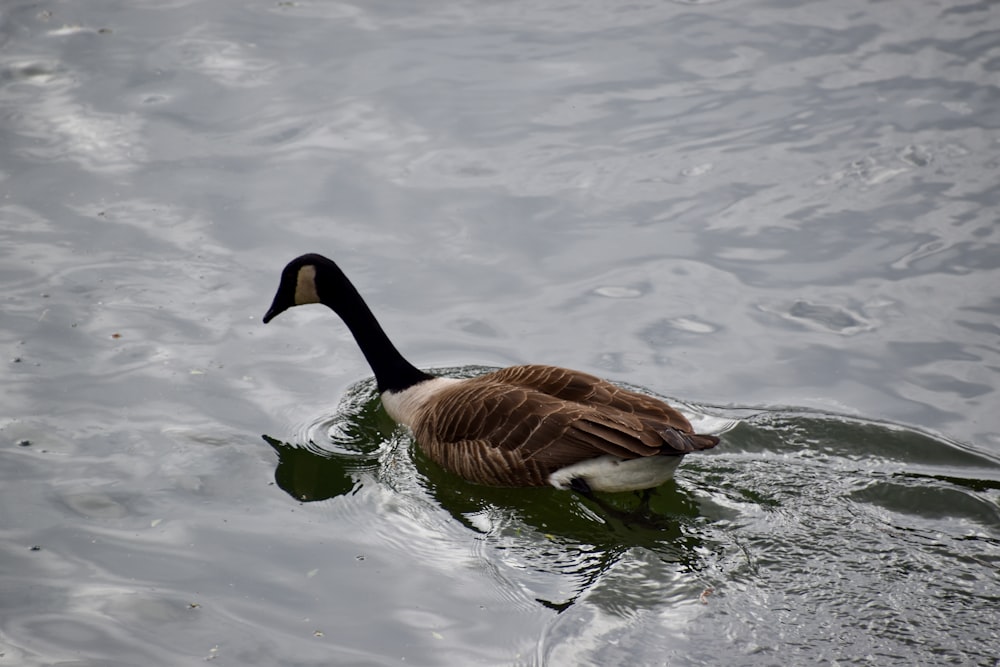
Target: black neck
{"type": "Point", "coordinates": [392, 371]}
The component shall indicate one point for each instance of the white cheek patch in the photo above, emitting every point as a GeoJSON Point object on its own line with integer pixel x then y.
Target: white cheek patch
{"type": "Point", "coordinates": [305, 286]}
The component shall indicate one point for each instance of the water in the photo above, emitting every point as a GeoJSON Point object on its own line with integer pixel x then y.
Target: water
{"type": "Point", "coordinates": [781, 213]}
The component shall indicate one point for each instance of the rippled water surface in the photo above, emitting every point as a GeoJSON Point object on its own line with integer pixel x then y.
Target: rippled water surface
{"type": "Point", "coordinates": [784, 214]}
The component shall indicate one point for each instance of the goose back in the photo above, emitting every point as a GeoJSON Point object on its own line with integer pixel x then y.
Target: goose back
{"type": "Point", "coordinates": [517, 426]}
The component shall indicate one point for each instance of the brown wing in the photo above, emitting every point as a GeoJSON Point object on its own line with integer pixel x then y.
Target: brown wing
{"type": "Point", "coordinates": [580, 387]}
{"type": "Point", "coordinates": [499, 430]}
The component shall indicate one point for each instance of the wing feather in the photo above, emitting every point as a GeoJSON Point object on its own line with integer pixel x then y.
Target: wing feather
{"type": "Point", "coordinates": [581, 387]}
{"type": "Point", "coordinates": [518, 425]}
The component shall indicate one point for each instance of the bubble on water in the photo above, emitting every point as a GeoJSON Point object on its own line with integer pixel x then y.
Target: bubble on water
{"type": "Point", "coordinates": [617, 292]}
{"type": "Point", "coordinates": [692, 325]}
{"type": "Point", "coordinates": [821, 316]}
{"type": "Point", "coordinates": [95, 505]}
{"type": "Point", "coordinates": [918, 156]}
{"type": "Point", "coordinates": [697, 170]}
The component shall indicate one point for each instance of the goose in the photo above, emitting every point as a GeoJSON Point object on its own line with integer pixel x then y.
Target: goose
{"type": "Point", "coordinates": [520, 426]}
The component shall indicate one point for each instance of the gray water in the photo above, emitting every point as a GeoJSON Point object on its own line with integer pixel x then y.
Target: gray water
{"type": "Point", "coordinates": [783, 213]}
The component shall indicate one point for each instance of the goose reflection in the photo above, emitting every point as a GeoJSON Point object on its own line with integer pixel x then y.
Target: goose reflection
{"type": "Point", "coordinates": [544, 530]}
{"type": "Point", "coordinates": [334, 453]}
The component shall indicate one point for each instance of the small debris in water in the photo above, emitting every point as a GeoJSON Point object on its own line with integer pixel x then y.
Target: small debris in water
{"type": "Point", "coordinates": [318, 633]}
{"type": "Point", "coordinates": [194, 605]}
{"type": "Point", "coordinates": [703, 598]}
{"type": "Point", "coordinates": [116, 335]}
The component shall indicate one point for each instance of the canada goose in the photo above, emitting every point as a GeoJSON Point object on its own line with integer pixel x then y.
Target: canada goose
{"type": "Point", "coordinates": [519, 426]}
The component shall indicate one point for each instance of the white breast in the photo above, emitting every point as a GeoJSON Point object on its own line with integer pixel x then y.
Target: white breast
{"type": "Point", "coordinates": [403, 406]}
{"type": "Point", "coordinates": [613, 474]}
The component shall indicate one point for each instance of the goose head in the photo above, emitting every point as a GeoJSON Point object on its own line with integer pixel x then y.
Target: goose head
{"type": "Point", "coordinates": [306, 279]}
{"type": "Point", "coordinates": [313, 278]}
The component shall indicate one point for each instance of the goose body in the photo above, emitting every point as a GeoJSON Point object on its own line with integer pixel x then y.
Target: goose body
{"type": "Point", "coordinates": [527, 425]}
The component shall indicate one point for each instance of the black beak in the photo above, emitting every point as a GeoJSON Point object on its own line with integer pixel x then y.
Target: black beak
{"type": "Point", "coordinates": [275, 310]}
{"type": "Point", "coordinates": [284, 297]}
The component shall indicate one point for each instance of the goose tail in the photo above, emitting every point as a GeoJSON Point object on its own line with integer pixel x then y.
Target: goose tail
{"type": "Point", "coordinates": [684, 443]}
